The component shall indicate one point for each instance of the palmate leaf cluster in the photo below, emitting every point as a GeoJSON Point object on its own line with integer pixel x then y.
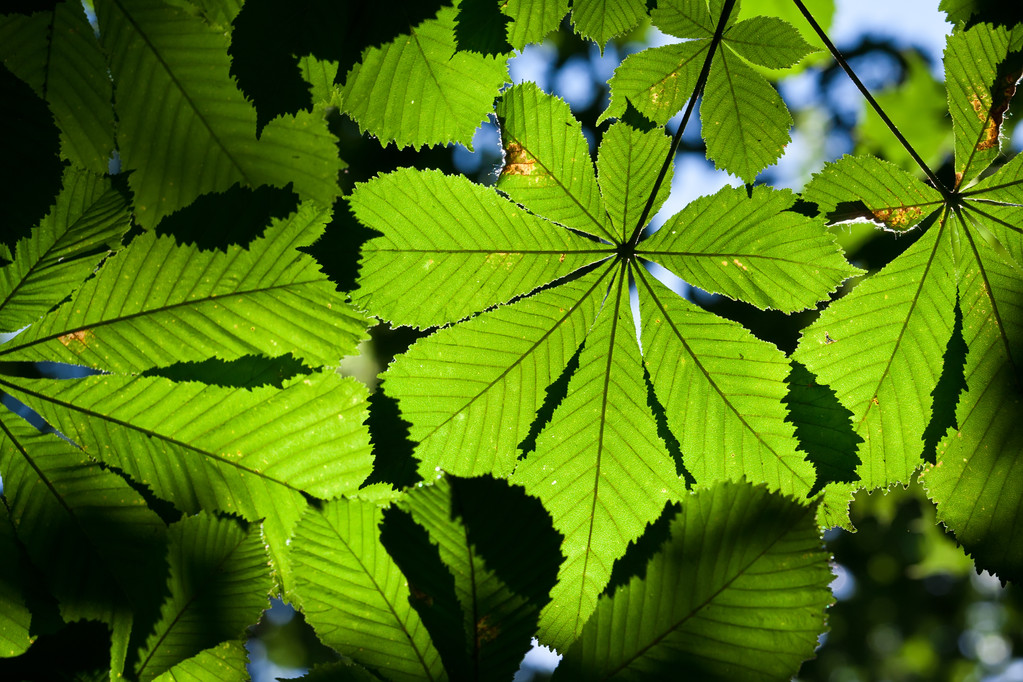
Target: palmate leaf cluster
{"type": "Point", "coordinates": [599, 462]}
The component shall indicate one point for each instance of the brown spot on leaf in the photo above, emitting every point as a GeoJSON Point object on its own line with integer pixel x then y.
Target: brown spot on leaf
{"type": "Point", "coordinates": [517, 161]}
{"type": "Point", "coordinates": [82, 337]}
{"type": "Point", "coordinates": [899, 217]}
{"type": "Point", "coordinates": [485, 632]}
{"type": "Point", "coordinates": [991, 115]}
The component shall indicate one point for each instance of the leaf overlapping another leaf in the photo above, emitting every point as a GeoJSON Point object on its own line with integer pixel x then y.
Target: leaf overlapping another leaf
{"type": "Point", "coordinates": [355, 596]}
{"type": "Point", "coordinates": [156, 303]}
{"type": "Point", "coordinates": [744, 121]}
{"type": "Point", "coordinates": [85, 223]}
{"type": "Point", "coordinates": [471, 391]}
{"type": "Point", "coordinates": [171, 73]}
{"type": "Point", "coordinates": [58, 55]}
{"type": "Point", "coordinates": [98, 545]}
{"type": "Point", "coordinates": [737, 592]}
{"type": "Point", "coordinates": [418, 90]}
{"type": "Point", "coordinates": [256, 452]}
{"type": "Point", "coordinates": [218, 585]}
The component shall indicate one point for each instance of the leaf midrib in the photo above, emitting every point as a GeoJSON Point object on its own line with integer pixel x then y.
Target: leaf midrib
{"type": "Point", "coordinates": [150, 433]}
{"type": "Point", "coordinates": [696, 360]}
{"type": "Point", "coordinates": [5, 350]}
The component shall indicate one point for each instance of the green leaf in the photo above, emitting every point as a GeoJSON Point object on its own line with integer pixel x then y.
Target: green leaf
{"type": "Point", "coordinates": [97, 543]}
{"type": "Point", "coordinates": [751, 248]}
{"type": "Point", "coordinates": [218, 584]}
{"type": "Point", "coordinates": [978, 96]}
{"type": "Point", "coordinates": [224, 663]}
{"type": "Point", "coordinates": [890, 195]}
{"type": "Point", "coordinates": [627, 170]}
{"type": "Point", "coordinates": [255, 453]}
{"type": "Point", "coordinates": [15, 618]}
{"type": "Point", "coordinates": [87, 220]}
{"type": "Point", "coordinates": [450, 230]}
{"type": "Point", "coordinates": [600, 468]}
{"type": "Point", "coordinates": [417, 90]}
{"type": "Point", "coordinates": [738, 592]}
{"type": "Point", "coordinates": [171, 74]}
{"type": "Point", "coordinates": [656, 81]}
{"type": "Point", "coordinates": [472, 391]}
{"type": "Point", "coordinates": [354, 595]}
{"type": "Point", "coordinates": [156, 303]}
{"type": "Point", "coordinates": [532, 20]}
{"type": "Point", "coordinates": [880, 348]}
{"type": "Point", "coordinates": [502, 565]}
{"type": "Point", "coordinates": [601, 20]}
{"type": "Point", "coordinates": [730, 425]}
{"type": "Point", "coordinates": [547, 161]}
{"type": "Point", "coordinates": [976, 480]}
{"type": "Point", "coordinates": [822, 10]}
{"type": "Point", "coordinates": [767, 41]}
{"type": "Point", "coordinates": [57, 54]}
{"type": "Point", "coordinates": [744, 120]}
{"type": "Point", "coordinates": [321, 74]}
{"type": "Point", "coordinates": [996, 200]}
{"type": "Point", "coordinates": [688, 18]}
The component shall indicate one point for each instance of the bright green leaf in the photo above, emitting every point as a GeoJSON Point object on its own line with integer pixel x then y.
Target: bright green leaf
{"type": "Point", "coordinates": [880, 348]}
{"type": "Point", "coordinates": [547, 161]}
{"type": "Point", "coordinates": [628, 163]}
{"type": "Point", "coordinates": [738, 592]}
{"type": "Point", "coordinates": [449, 230]}
{"type": "Point", "coordinates": [354, 595]}
{"type": "Point", "coordinates": [601, 20]}
{"type": "Point", "coordinates": [767, 41]}
{"type": "Point", "coordinates": [417, 90]}
{"type": "Point", "coordinates": [171, 72]}
{"type": "Point", "coordinates": [977, 97]}
{"type": "Point", "coordinates": [472, 390]}
{"type": "Point", "coordinates": [744, 120]}
{"type": "Point", "coordinates": [751, 248]}
{"type": "Point", "coordinates": [86, 222]}
{"type": "Point", "coordinates": [730, 425]}
{"type": "Point", "coordinates": [976, 481]}
{"type": "Point", "coordinates": [156, 303]}
{"type": "Point", "coordinates": [600, 468]}
{"type": "Point", "coordinates": [657, 81]}
{"type": "Point", "coordinates": [891, 195]}
{"type": "Point", "coordinates": [532, 20]}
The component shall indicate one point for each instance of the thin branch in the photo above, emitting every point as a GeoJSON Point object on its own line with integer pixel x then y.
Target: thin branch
{"type": "Point", "coordinates": [677, 140]}
{"type": "Point", "coordinates": [870, 99]}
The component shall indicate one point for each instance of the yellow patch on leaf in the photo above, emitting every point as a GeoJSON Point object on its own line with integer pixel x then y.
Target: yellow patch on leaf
{"type": "Point", "coordinates": [82, 337]}
{"type": "Point", "coordinates": [518, 161]}
{"type": "Point", "coordinates": [900, 217]}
